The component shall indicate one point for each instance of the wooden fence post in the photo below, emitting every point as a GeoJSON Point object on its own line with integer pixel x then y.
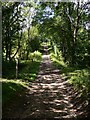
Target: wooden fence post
{"type": "Point", "coordinates": [16, 68]}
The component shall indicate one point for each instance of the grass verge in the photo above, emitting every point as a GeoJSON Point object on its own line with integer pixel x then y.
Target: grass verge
{"type": "Point", "coordinates": [79, 78]}
{"type": "Point", "coordinates": [10, 88]}
{"type": "Point", "coordinates": [27, 72]}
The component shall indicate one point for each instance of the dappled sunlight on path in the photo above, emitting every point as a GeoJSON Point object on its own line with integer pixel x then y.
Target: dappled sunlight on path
{"type": "Point", "coordinates": [49, 96]}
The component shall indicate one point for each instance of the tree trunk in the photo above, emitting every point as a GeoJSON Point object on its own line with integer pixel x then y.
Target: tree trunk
{"type": "Point", "coordinates": [75, 35]}
{"type": "Point", "coordinates": [6, 51]}
{"type": "Point", "coordinates": [28, 43]}
{"type": "Point", "coordinates": [9, 52]}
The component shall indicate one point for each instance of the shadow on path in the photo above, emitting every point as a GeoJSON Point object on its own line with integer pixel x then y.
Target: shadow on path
{"type": "Point", "coordinates": [49, 96]}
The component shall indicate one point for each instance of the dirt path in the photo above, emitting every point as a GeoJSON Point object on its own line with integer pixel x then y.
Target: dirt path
{"type": "Point", "coordinates": [48, 97]}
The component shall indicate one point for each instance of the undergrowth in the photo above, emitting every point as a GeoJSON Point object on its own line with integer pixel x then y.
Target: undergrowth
{"type": "Point", "coordinates": [78, 77]}
{"type": "Point", "coordinates": [27, 72]}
